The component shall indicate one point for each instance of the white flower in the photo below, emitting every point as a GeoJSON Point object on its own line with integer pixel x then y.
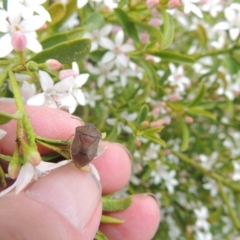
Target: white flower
{"type": "Point", "coordinates": [208, 161]}
{"type": "Point", "coordinates": [29, 7]}
{"type": "Point", "coordinates": [232, 15]}
{"type": "Point", "coordinates": [27, 90]}
{"type": "Point", "coordinates": [103, 71]}
{"type": "Point", "coordinates": [152, 152]}
{"type": "Point", "coordinates": [190, 7]}
{"type": "Point", "coordinates": [170, 181]}
{"type": "Point", "coordinates": [98, 35]}
{"type": "Point", "coordinates": [236, 174]}
{"type": "Point", "coordinates": [117, 50]}
{"type": "Point", "coordinates": [203, 236]}
{"type": "Point", "coordinates": [158, 173]}
{"type": "Point", "coordinates": [177, 78]}
{"type": "Point", "coordinates": [92, 97]}
{"type": "Point", "coordinates": [29, 173]}
{"type": "Point", "coordinates": [213, 7]}
{"type": "Point", "coordinates": [202, 216]}
{"type": "Point", "coordinates": [120, 125]}
{"type": "Point", "coordinates": [212, 186]}
{"type": "Point", "coordinates": [55, 96]}
{"type": "Point", "coordinates": [11, 22]}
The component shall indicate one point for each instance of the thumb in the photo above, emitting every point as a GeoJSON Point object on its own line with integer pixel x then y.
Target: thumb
{"type": "Point", "coordinates": [65, 204]}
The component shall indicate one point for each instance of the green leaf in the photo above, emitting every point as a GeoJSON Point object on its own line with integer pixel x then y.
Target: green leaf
{"type": "Point", "coordinates": [173, 57]}
{"type": "Point", "coordinates": [67, 52]}
{"type": "Point", "coordinates": [198, 98]}
{"type": "Point", "coordinates": [57, 11]}
{"type": "Point", "coordinates": [93, 21]}
{"type": "Point", "coordinates": [127, 24]}
{"type": "Point", "coordinates": [154, 33]}
{"type": "Point", "coordinates": [113, 205]}
{"type": "Point", "coordinates": [155, 139]}
{"type": "Point", "coordinates": [100, 236]}
{"type": "Point", "coordinates": [185, 137]}
{"type": "Point", "coordinates": [200, 111]}
{"type": "Point", "coordinates": [202, 34]}
{"type": "Point", "coordinates": [107, 219]}
{"type": "Point", "coordinates": [142, 114]}
{"type": "Point", "coordinates": [62, 37]}
{"type": "Point", "coordinates": [168, 32]}
{"type": "Point", "coordinates": [5, 117]}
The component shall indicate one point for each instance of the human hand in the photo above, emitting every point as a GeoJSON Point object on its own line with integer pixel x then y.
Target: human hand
{"type": "Point", "coordinates": [66, 203]}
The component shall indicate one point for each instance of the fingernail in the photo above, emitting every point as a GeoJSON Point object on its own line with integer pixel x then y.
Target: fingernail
{"type": "Point", "coordinates": [73, 193]}
{"type": "Point", "coordinates": [154, 197]}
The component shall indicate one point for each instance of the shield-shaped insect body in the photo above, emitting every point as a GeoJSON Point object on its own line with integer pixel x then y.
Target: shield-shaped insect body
{"type": "Point", "coordinates": [85, 145]}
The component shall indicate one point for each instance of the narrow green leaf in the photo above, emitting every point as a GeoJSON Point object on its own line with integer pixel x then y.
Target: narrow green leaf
{"type": "Point", "coordinates": [142, 114]}
{"type": "Point", "coordinates": [93, 21]}
{"type": "Point", "coordinates": [5, 117]}
{"type": "Point", "coordinates": [57, 11]}
{"type": "Point", "coordinates": [173, 57]}
{"type": "Point", "coordinates": [100, 236]}
{"type": "Point", "coordinates": [107, 219]}
{"type": "Point", "coordinates": [66, 52]}
{"type": "Point", "coordinates": [202, 34]}
{"type": "Point", "coordinates": [200, 111]}
{"type": "Point", "coordinates": [155, 139]}
{"type": "Point", "coordinates": [62, 37]}
{"type": "Point", "coordinates": [127, 24]}
{"type": "Point", "coordinates": [154, 33]}
{"type": "Point", "coordinates": [185, 137]}
{"type": "Point", "coordinates": [198, 98]}
{"type": "Point", "coordinates": [168, 32]}
{"type": "Point", "coordinates": [113, 205]}
{"type": "Point", "coordinates": [153, 130]}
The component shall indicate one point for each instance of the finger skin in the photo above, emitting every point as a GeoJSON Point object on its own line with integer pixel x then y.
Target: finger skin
{"type": "Point", "coordinates": [47, 122]}
{"type": "Point", "coordinates": [141, 220]}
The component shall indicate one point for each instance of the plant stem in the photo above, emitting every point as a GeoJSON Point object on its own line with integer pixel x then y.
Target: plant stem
{"type": "Point", "coordinates": [205, 171]}
{"type": "Point", "coordinates": [230, 209]}
{"type": "Point", "coordinates": [25, 120]}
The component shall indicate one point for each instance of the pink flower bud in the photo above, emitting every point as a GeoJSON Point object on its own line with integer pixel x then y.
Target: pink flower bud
{"type": "Point", "coordinates": [156, 22]}
{"type": "Point", "coordinates": [189, 119]}
{"type": "Point", "coordinates": [157, 123]}
{"type": "Point", "coordinates": [174, 3]}
{"type": "Point", "coordinates": [67, 73]}
{"type": "Point", "coordinates": [144, 38]}
{"type": "Point", "coordinates": [53, 64]}
{"type": "Point", "coordinates": [19, 41]}
{"type": "Point", "coordinates": [152, 3]}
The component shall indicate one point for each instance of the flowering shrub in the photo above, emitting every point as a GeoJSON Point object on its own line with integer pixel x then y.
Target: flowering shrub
{"type": "Point", "coordinates": [161, 77]}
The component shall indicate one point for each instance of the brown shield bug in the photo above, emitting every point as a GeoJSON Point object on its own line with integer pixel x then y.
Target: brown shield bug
{"type": "Point", "coordinates": [85, 144]}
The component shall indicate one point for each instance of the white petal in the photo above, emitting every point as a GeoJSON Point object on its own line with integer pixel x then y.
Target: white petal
{"type": "Point", "coordinates": [119, 38]}
{"type": "Point", "coordinates": [106, 43]}
{"type": "Point", "coordinates": [234, 33]}
{"type": "Point", "coordinates": [78, 94]}
{"type": "Point", "coordinates": [45, 80]}
{"type": "Point", "coordinates": [9, 189]}
{"type": "Point", "coordinates": [107, 57]}
{"type": "Point", "coordinates": [15, 11]}
{"type": "Point", "coordinates": [33, 44]}
{"type": "Point", "coordinates": [221, 26]}
{"type": "Point", "coordinates": [105, 30]}
{"type": "Point", "coordinates": [32, 24]}
{"type": "Point", "coordinates": [2, 134]}
{"type": "Point", "coordinates": [25, 176]}
{"type": "Point", "coordinates": [4, 25]}
{"type": "Point", "coordinates": [27, 91]}
{"type": "Point", "coordinates": [75, 67]}
{"type": "Point", "coordinates": [68, 102]}
{"type": "Point", "coordinates": [43, 12]}
{"type": "Point", "coordinates": [123, 59]}
{"type": "Point", "coordinates": [80, 80]}
{"type": "Point", "coordinates": [64, 85]}
{"type": "Point", "coordinates": [127, 48]}
{"type": "Point", "coordinates": [5, 45]}
{"type": "Point", "coordinates": [81, 3]}
{"type": "Point", "coordinates": [48, 166]}
{"type": "Point", "coordinates": [37, 100]}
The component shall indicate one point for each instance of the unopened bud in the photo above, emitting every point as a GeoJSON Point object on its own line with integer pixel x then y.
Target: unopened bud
{"type": "Point", "coordinates": [30, 155]}
{"type": "Point", "coordinates": [174, 3]}
{"type": "Point", "coordinates": [19, 41]}
{"type": "Point", "coordinates": [13, 169]}
{"type": "Point", "coordinates": [32, 66]}
{"type": "Point", "coordinates": [152, 3]}
{"type": "Point", "coordinates": [53, 64]}
{"type": "Point", "coordinates": [67, 73]}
